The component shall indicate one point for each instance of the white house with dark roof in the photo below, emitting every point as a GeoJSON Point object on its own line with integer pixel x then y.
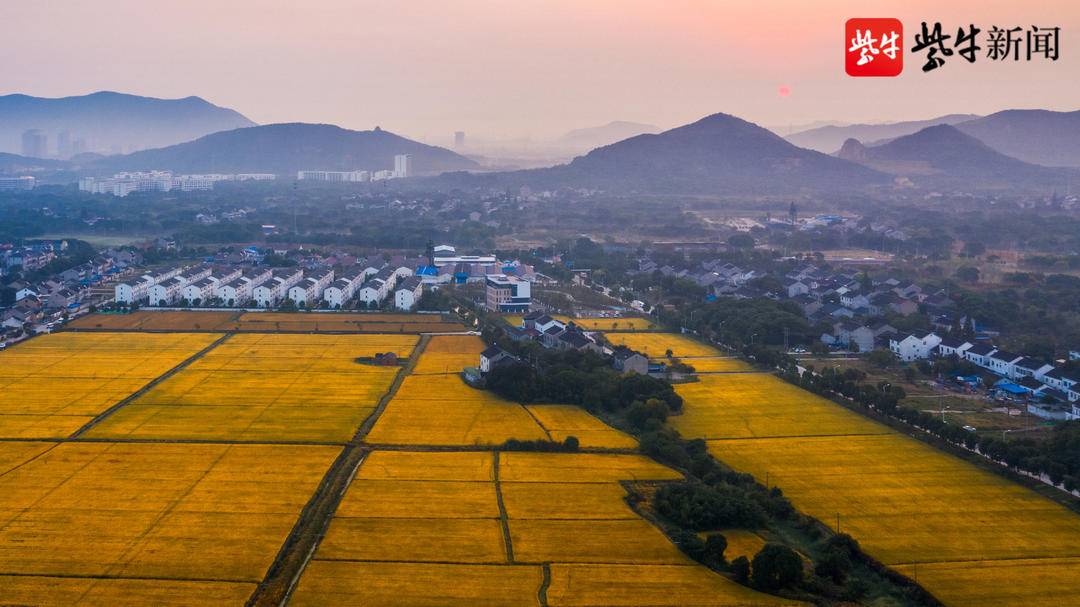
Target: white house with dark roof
{"type": "Point", "coordinates": [1030, 367]}
{"type": "Point", "coordinates": [493, 357]}
{"type": "Point", "coordinates": [914, 346]}
{"type": "Point", "coordinates": [1064, 381]}
{"type": "Point", "coordinates": [408, 293]}
{"type": "Point", "coordinates": [1002, 361]}
{"type": "Point", "coordinates": [979, 354]}
{"type": "Point", "coordinates": [950, 346]}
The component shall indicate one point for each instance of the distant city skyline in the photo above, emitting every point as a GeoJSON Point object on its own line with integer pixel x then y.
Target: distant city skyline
{"type": "Point", "coordinates": [428, 69]}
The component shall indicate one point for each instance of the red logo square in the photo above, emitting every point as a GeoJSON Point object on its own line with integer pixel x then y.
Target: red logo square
{"type": "Point", "coordinates": [873, 47]}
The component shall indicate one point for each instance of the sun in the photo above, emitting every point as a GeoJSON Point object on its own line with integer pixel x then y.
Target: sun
{"type": "Point", "coordinates": [784, 90]}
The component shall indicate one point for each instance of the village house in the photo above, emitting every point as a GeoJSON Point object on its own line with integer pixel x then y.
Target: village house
{"type": "Point", "coordinates": [914, 346]}
{"type": "Point", "coordinates": [626, 360]}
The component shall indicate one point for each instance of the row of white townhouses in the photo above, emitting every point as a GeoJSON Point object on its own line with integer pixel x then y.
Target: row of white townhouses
{"type": "Point", "coordinates": [1025, 370]}
{"type": "Point", "coordinates": [268, 288]}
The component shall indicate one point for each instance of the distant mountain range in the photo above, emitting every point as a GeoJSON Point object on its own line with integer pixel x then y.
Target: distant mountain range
{"type": "Point", "coordinates": [284, 149]}
{"type": "Point", "coordinates": [719, 155]}
{"type": "Point", "coordinates": [597, 136]}
{"type": "Point", "coordinates": [1038, 136]}
{"type": "Point", "coordinates": [14, 164]}
{"type": "Point", "coordinates": [105, 120]}
{"type": "Point", "coordinates": [829, 138]}
{"type": "Point", "coordinates": [943, 155]}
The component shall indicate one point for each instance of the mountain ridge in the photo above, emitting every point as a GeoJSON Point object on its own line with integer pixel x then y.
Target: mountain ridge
{"type": "Point", "coordinates": [106, 119]}
{"type": "Point", "coordinates": [285, 148]}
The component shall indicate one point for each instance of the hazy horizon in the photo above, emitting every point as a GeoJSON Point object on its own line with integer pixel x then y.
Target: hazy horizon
{"type": "Point", "coordinates": [523, 72]}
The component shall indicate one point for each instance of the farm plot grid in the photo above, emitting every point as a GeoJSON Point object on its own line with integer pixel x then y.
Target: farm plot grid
{"type": "Point", "coordinates": [969, 537]}
{"type": "Point", "coordinates": [266, 387]}
{"type": "Point", "coordinates": [478, 528]}
{"type": "Point", "coordinates": [110, 523]}
{"type": "Point", "coordinates": [53, 385]}
{"type": "Point", "coordinates": [434, 406]}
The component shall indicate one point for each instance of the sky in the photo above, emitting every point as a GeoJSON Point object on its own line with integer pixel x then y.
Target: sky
{"type": "Point", "coordinates": [522, 68]}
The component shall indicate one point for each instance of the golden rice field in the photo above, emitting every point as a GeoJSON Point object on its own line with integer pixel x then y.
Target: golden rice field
{"type": "Point", "coordinates": [1000, 583]}
{"type": "Point", "coordinates": [457, 540]}
{"type": "Point", "coordinates": [741, 542]}
{"type": "Point", "coordinates": [577, 501]}
{"type": "Point", "coordinates": [628, 323]}
{"type": "Point", "coordinates": [108, 592]}
{"type": "Point", "coordinates": [462, 466]}
{"type": "Point", "coordinates": [422, 584]}
{"type": "Point", "coordinates": [444, 410]}
{"type": "Point", "coordinates": [217, 513]}
{"type": "Point", "coordinates": [978, 539]}
{"type": "Point", "coordinates": [445, 546]}
{"type": "Point", "coordinates": [631, 541]}
{"type": "Point", "coordinates": [757, 405]}
{"type": "Point", "coordinates": [393, 498]}
{"type": "Point", "coordinates": [562, 421]}
{"type": "Point", "coordinates": [265, 387]}
{"type": "Point", "coordinates": [446, 354]}
{"type": "Point", "coordinates": [906, 502]}
{"type": "Point", "coordinates": [52, 385]}
{"type": "Point", "coordinates": [589, 585]}
{"type": "Point", "coordinates": [656, 345]}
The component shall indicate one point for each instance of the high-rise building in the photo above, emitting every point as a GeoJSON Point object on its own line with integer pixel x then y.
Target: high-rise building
{"type": "Point", "coordinates": [34, 144]}
{"type": "Point", "coordinates": [79, 147]}
{"type": "Point", "coordinates": [402, 166]}
{"type": "Point", "coordinates": [63, 144]}
{"type": "Point", "coordinates": [459, 139]}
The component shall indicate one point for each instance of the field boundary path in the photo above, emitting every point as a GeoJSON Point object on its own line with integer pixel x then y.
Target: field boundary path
{"type": "Point", "coordinates": [310, 529]}
{"type": "Point", "coordinates": [149, 386]}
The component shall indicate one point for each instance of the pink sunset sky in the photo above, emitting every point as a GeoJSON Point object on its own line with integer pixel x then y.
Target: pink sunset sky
{"type": "Point", "coordinates": [520, 68]}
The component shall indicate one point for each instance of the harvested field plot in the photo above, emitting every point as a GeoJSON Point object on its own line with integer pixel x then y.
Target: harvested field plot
{"type": "Point", "coordinates": [561, 421]}
{"type": "Point", "coordinates": [656, 585]}
{"type": "Point", "coordinates": [268, 322]}
{"type": "Point", "coordinates": [51, 386]}
{"type": "Point", "coordinates": [265, 387]}
{"type": "Point", "coordinates": [345, 322]}
{"type": "Point", "coordinates": [418, 584]}
{"type": "Point", "coordinates": [184, 512]}
{"type": "Point", "coordinates": [656, 345]}
{"type": "Point", "coordinates": [719, 364]}
{"type": "Point", "coordinates": [446, 354]}
{"type": "Point", "coordinates": [755, 405]}
{"type": "Point", "coordinates": [443, 410]}
{"type": "Point", "coordinates": [160, 320]}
